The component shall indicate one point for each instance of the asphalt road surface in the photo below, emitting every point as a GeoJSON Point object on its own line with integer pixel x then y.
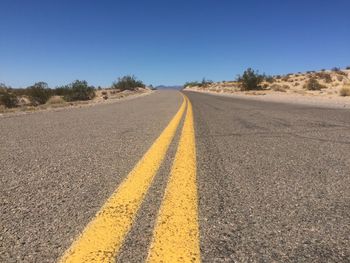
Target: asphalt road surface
{"type": "Point", "coordinates": [160, 177]}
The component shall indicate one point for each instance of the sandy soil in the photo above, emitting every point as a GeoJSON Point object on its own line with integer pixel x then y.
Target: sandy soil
{"type": "Point", "coordinates": [290, 89]}
{"type": "Point", "coordinates": [332, 102]}
{"type": "Point", "coordinates": [112, 98]}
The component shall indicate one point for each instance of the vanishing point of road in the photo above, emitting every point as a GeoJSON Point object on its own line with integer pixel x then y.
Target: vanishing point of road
{"type": "Point", "coordinates": [176, 177]}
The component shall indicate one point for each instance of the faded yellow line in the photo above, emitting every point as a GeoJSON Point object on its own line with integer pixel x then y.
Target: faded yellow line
{"type": "Point", "coordinates": [103, 236]}
{"type": "Point", "coordinates": [176, 235]}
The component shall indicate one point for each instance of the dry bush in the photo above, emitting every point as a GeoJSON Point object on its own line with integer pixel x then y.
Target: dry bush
{"type": "Point", "coordinates": [325, 76]}
{"type": "Point", "coordinates": [113, 92]}
{"type": "Point", "coordinates": [296, 84]}
{"type": "Point", "coordinates": [250, 80]}
{"type": "Point", "coordinates": [279, 88]}
{"type": "Point", "coordinates": [54, 100]}
{"type": "Point", "coordinates": [39, 93]}
{"type": "Point", "coordinates": [340, 78]}
{"type": "Point", "coordinates": [313, 84]}
{"type": "Point", "coordinates": [339, 71]}
{"type": "Point", "coordinates": [8, 99]}
{"type": "Point", "coordinates": [345, 91]}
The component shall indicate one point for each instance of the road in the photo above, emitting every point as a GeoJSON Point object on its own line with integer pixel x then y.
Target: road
{"type": "Point", "coordinates": [163, 177]}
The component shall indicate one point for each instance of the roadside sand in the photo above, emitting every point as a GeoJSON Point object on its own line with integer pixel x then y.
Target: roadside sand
{"type": "Point", "coordinates": [120, 96]}
{"type": "Point", "coordinates": [290, 89]}
{"type": "Point", "coordinates": [330, 101]}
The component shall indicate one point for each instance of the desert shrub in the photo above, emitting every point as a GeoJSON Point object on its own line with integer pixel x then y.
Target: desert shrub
{"type": "Point", "coordinates": [192, 84]}
{"type": "Point", "coordinates": [342, 73]}
{"type": "Point", "coordinates": [340, 78]}
{"type": "Point", "coordinates": [113, 91]}
{"type": "Point", "coordinates": [325, 76]}
{"type": "Point", "coordinates": [280, 88]}
{"type": "Point", "coordinates": [206, 82]}
{"type": "Point", "coordinates": [203, 83]}
{"type": "Point", "coordinates": [78, 90]}
{"type": "Point", "coordinates": [7, 97]}
{"type": "Point", "coordinates": [313, 84]}
{"type": "Point", "coordinates": [285, 78]}
{"type": "Point", "coordinates": [39, 93]}
{"type": "Point", "coordinates": [296, 84]}
{"type": "Point", "coordinates": [268, 78]}
{"type": "Point", "coordinates": [128, 83]}
{"type": "Point", "coordinates": [54, 100]}
{"type": "Point", "coordinates": [20, 92]}
{"type": "Point", "coordinates": [345, 90]}
{"type": "Point", "coordinates": [250, 80]}
{"type": "Point", "coordinates": [339, 71]}
{"type": "Point", "coordinates": [61, 91]}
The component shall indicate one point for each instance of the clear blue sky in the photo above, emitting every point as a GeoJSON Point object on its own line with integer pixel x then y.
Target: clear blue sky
{"type": "Point", "coordinates": [168, 41]}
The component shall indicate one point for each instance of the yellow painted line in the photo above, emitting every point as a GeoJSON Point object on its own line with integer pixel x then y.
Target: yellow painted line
{"type": "Point", "coordinates": [176, 235]}
{"type": "Point", "coordinates": [103, 236]}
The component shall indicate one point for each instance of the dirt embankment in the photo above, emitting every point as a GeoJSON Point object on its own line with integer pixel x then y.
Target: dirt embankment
{"type": "Point", "coordinates": [57, 102]}
{"type": "Point", "coordinates": [292, 88]}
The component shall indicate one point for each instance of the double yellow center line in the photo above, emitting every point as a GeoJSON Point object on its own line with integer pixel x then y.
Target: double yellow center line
{"type": "Point", "coordinates": [176, 236]}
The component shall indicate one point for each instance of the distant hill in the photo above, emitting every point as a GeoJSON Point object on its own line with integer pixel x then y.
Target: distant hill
{"type": "Point", "coordinates": [168, 87]}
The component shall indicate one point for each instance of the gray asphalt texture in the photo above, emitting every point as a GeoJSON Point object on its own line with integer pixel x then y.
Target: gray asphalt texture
{"type": "Point", "coordinates": [58, 169]}
{"type": "Point", "coordinates": [273, 179]}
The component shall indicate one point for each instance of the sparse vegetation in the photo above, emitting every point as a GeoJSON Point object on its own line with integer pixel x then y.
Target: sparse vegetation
{"type": "Point", "coordinates": [279, 88]}
{"type": "Point", "coordinates": [39, 93]}
{"type": "Point", "coordinates": [41, 96]}
{"type": "Point", "coordinates": [285, 78]}
{"type": "Point", "coordinates": [128, 83]}
{"type": "Point", "coordinates": [77, 90]}
{"type": "Point", "coordinates": [269, 79]}
{"type": "Point", "coordinates": [325, 76]}
{"type": "Point", "coordinates": [345, 91]}
{"type": "Point", "coordinates": [7, 97]}
{"type": "Point", "coordinates": [250, 80]}
{"type": "Point", "coordinates": [313, 84]}
{"type": "Point", "coordinates": [192, 84]}
{"type": "Point", "coordinates": [203, 83]}
{"type": "Point", "coordinates": [342, 73]}
{"type": "Point", "coordinates": [55, 100]}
